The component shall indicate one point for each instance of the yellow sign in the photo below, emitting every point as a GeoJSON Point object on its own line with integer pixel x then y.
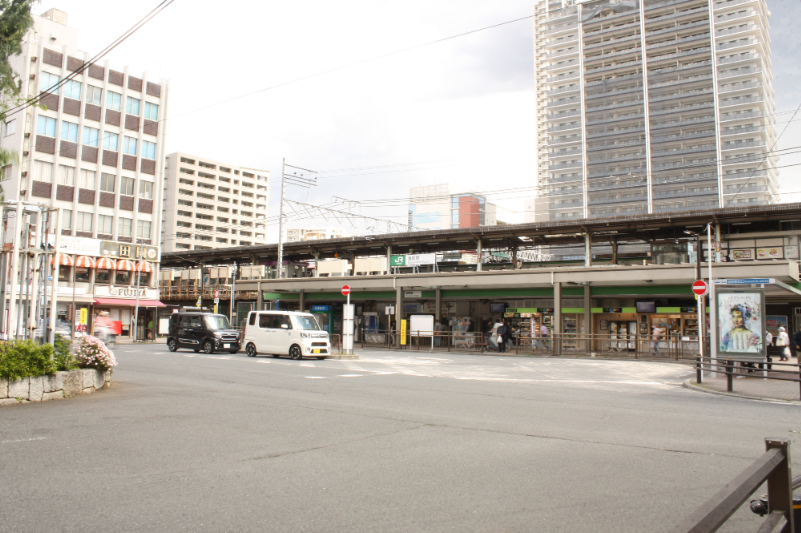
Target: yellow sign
{"type": "Point", "coordinates": [403, 332]}
{"type": "Point", "coordinates": [84, 316]}
{"type": "Point", "coordinates": [215, 308]}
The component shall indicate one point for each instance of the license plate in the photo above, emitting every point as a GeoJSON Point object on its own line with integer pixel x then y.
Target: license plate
{"type": "Point", "coordinates": [226, 345]}
{"type": "Point", "coordinates": [315, 351]}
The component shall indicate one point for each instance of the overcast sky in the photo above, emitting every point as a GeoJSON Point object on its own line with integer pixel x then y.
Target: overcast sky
{"type": "Point", "coordinates": [460, 111]}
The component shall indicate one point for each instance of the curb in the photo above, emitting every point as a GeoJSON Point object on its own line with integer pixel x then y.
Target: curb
{"type": "Point", "coordinates": [692, 385]}
{"type": "Point", "coordinates": [353, 356]}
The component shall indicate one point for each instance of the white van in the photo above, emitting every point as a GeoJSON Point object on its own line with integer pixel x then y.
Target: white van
{"type": "Point", "coordinates": [285, 333]}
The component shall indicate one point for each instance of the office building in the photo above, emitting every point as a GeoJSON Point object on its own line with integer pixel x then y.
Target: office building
{"type": "Point", "coordinates": [653, 106]}
{"type": "Point", "coordinates": [435, 207]}
{"type": "Point", "coordinates": [208, 204]}
{"type": "Point", "coordinates": [93, 147]}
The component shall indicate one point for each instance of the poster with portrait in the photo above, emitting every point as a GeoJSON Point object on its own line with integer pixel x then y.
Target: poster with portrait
{"type": "Point", "coordinates": [740, 323]}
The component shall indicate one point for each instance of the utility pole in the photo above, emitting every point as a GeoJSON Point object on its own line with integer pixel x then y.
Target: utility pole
{"type": "Point", "coordinates": [293, 179]}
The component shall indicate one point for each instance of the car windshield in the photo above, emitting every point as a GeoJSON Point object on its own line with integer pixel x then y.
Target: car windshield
{"type": "Point", "coordinates": [307, 322]}
{"type": "Point", "coordinates": [217, 322]}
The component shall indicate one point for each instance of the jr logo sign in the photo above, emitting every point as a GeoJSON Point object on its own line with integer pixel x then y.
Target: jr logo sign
{"type": "Point", "coordinates": [398, 260]}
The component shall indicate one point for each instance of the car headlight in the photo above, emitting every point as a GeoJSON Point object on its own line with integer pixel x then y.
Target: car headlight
{"type": "Point", "coordinates": [217, 334]}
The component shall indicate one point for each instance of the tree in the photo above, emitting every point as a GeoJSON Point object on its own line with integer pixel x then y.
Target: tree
{"type": "Point", "coordinates": [15, 21]}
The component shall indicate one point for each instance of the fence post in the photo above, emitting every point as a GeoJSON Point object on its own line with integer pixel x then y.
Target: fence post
{"type": "Point", "coordinates": [729, 375]}
{"type": "Point", "coordinates": [780, 490]}
{"type": "Point", "coordinates": [699, 371]}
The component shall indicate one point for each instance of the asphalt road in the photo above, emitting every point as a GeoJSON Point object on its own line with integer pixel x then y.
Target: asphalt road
{"type": "Point", "coordinates": [393, 442]}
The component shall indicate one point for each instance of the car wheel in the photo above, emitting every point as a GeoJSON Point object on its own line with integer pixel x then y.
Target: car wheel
{"type": "Point", "coordinates": [295, 353]}
{"type": "Point", "coordinates": [172, 345]}
{"type": "Point", "coordinates": [208, 347]}
{"type": "Point", "coordinates": [251, 350]}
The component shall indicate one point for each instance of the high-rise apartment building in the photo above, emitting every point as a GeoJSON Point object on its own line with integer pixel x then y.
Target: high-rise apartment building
{"type": "Point", "coordinates": [95, 148]}
{"type": "Point", "coordinates": [313, 234]}
{"type": "Point", "coordinates": [435, 207]}
{"type": "Point", "coordinates": [208, 204]}
{"type": "Point", "coordinates": [649, 106]}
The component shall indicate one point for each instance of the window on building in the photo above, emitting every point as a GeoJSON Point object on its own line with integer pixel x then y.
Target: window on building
{"type": "Point", "coordinates": [43, 171]}
{"type": "Point", "coordinates": [122, 277]}
{"type": "Point", "coordinates": [113, 100]}
{"type": "Point", "coordinates": [127, 186]}
{"type": "Point", "coordinates": [129, 145]}
{"type": "Point", "coordinates": [146, 190]}
{"type": "Point", "coordinates": [69, 131]}
{"type": "Point", "coordinates": [124, 227]}
{"type": "Point", "coordinates": [94, 95]}
{"type": "Point", "coordinates": [47, 82]}
{"type": "Point", "coordinates": [111, 142]}
{"type": "Point", "coordinates": [105, 224]}
{"type": "Point", "coordinates": [72, 89]}
{"type": "Point", "coordinates": [148, 150]}
{"type": "Point", "coordinates": [86, 180]}
{"type": "Point", "coordinates": [90, 136]}
{"type": "Point", "coordinates": [132, 106]}
{"type": "Point", "coordinates": [46, 126]}
{"type": "Point", "coordinates": [142, 229]}
{"type": "Point", "coordinates": [151, 111]}
{"type": "Point", "coordinates": [66, 175]}
{"type": "Point", "coordinates": [84, 221]}
{"type": "Point", "coordinates": [107, 182]}
{"type": "Point", "coordinates": [11, 127]}
{"type": "Point", "coordinates": [66, 219]}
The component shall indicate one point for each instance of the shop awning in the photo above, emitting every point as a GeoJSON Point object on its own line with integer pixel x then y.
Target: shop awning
{"type": "Point", "coordinates": [128, 303]}
{"type": "Point", "coordinates": [144, 266]}
{"type": "Point", "coordinates": [105, 263]}
{"type": "Point", "coordinates": [85, 262]}
{"type": "Point", "coordinates": [125, 264]}
{"type": "Point", "coordinates": [63, 259]}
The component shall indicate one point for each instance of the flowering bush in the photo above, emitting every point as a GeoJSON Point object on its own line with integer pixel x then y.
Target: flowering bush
{"type": "Point", "coordinates": [93, 353]}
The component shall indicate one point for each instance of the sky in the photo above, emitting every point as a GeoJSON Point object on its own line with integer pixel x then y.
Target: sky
{"type": "Point", "coordinates": [259, 82]}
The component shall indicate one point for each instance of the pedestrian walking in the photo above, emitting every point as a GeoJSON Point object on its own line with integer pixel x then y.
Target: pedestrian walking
{"type": "Point", "coordinates": [502, 332]}
{"type": "Point", "coordinates": [439, 327]}
{"type": "Point", "coordinates": [657, 335]}
{"type": "Point", "coordinates": [784, 340]}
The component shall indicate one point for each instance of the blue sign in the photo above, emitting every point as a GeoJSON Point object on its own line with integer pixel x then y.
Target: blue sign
{"type": "Point", "coordinates": [320, 309]}
{"type": "Point", "coordinates": [745, 281]}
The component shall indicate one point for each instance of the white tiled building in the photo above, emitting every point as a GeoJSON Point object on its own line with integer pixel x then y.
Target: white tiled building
{"type": "Point", "coordinates": [208, 204]}
{"type": "Point", "coordinates": [648, 106]}
{"type": "Point", "coordinates": [313, 234]}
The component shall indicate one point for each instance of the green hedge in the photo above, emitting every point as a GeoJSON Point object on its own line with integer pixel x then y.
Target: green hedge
{"type": "Point", "coordinates": [22, 359]}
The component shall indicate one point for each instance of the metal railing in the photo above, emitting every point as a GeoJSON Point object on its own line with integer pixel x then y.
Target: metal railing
{"type": "Point", "coordinates": [747, 368]}
{"type": "Point", "coordinates": [773, 467]}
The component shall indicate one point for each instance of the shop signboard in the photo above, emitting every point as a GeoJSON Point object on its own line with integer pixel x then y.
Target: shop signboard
{"type": "Point", "coordinates": [412, 294]}
{"type": "Point", "coordinates": [413, 260]}
{"type": "Point", "coordinates": [740, 322]}
{"type": "Point", "coordinates": [775, 252]}
{"type": "Point", "coordinates": [126, 293]}
{"type": "Point", "coordinates": [68, 244]}
{"type": "Point", "coordinates": [84, 316]}
{"type": "Point", "coordinates": [404, 324]}
{"type": "Point", "coordinates": [123, 250]}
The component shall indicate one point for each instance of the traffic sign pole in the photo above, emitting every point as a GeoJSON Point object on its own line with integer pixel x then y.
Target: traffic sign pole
{"type": "Point", "coordinates": [348, 321]}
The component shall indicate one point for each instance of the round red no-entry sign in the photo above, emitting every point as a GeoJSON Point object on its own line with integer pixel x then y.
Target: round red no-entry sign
{"type": "Point", "coordinates": [346, 290]}
{"type": "Point", "coordinates": [700, 287]}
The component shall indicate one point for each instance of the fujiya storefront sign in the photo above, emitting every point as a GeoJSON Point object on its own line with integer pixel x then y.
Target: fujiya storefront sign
{"type": "Point", "coordinates": [128, 293]}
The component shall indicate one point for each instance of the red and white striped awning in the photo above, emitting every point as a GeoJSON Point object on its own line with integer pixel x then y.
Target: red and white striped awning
{"type": "Point", "coordinates": [63, 260]}
{"type": "Point", "coordinates": [125, 264]}
{"type": "Point", "coordinates": [144, 266]}
{"type": "Point", "coordinates": [85, 262]}
{"type": "Point", "coordinates": [106, 263]}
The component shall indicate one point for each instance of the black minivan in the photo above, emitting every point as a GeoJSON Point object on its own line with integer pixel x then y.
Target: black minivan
{"type": "Point", "coordinates": [208, 332]}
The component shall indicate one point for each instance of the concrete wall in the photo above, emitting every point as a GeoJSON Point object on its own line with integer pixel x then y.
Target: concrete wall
{"type": "Point", "coordinates": [53, 386]}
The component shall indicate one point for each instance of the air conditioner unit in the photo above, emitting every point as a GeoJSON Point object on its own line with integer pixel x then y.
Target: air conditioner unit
{"type": "Point", "coordinates": [27, 135]}
{"type": "Point", "coordinates": [24, 173]}
{"type": "Point", "coordinates": [33, 59]}
{"type": "Point", "coordinates": [33, 76]}
{"type": "Point", "coordinates": [25, 153]}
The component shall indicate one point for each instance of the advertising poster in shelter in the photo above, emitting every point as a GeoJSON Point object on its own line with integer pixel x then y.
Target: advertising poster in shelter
{"type": "Point", "coordinates": [741, 323]}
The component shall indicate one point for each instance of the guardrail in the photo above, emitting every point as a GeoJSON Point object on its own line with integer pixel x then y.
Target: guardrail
{"type": "Point", "coordinates": [635, 345]}
{"type": "Point", "coordinates": [773, 466]}
{"type": "Point", "coordinates": [744, 368]}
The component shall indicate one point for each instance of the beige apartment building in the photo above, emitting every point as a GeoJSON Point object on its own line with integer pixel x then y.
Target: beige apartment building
{"type": "Point", "coordinates": [209, 204]}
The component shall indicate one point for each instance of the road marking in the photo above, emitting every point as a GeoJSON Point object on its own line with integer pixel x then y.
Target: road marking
{"type": "Point", "coordinates": [314, 377]}
{"type": "Point", "coordinates": [351, 375]}
{"type": "Point", "coordinates": [307, 364]}
{"type": "Point", "coordinates": [21, 440]}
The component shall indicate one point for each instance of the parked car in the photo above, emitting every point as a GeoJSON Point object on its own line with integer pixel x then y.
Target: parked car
{"type": "Point", "coordinates": [285, 333]}
{"type": "Point", "coordinates": [208, 332]}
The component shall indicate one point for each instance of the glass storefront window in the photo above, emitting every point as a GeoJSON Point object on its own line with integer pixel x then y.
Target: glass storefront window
{"type": "Point", "coordinates": [64, 273]}
{"type": "Point", "coordinates": [122, 277]}
{"type": "Point", "coordinates": [144, 279]}
{"type": "Point", "coordinates": [103, 276]}
{"type": "Point", "coordinates": [82, 274]}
